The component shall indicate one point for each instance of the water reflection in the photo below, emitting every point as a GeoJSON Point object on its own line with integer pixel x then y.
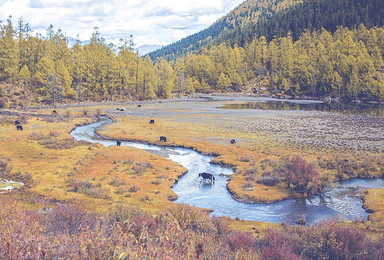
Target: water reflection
{"type": "Point", "coordinates": [375, 109]}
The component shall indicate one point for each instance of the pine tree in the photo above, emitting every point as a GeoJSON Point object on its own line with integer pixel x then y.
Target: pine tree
{"type": "Point", "coordinates": [44, 68]}
{"type": "Point", "coordinates": [9, 56]}
{"type": "Point", "coordinates": [24, 74]}
{"type": "Point", "coordinates": [224, 83]}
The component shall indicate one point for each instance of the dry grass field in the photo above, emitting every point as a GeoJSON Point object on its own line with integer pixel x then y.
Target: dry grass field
{"type": "Point", "coordinates": [340, 146]}
{"type": "Point", "coordinates": [54, 167]}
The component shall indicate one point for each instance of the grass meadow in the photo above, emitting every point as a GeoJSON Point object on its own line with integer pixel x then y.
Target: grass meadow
{"type": "Point", "coordinates": [122, 196]}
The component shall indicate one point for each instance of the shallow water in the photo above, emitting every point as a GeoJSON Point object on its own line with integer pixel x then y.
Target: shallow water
{"type": "Point", "coordinates": [340, 200]}
{"type": "Point", "coordinates": [376, 109]}
{"type": "Point", "coordinates": [6, 185]}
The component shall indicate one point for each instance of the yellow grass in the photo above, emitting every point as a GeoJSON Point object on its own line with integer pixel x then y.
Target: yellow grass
{"type": "Point", "coordinates": [211, 134]}
{"type": "Point", "coordinates": [257, 228]}
{"type": "Point", "coordinates": [374, 202]}
{"type": "Point", "coordinates": [112, 169]}
{"type": "Point", "coordinates": [208, 140]}
{"type": "Point", "coordinates": [51, 169]}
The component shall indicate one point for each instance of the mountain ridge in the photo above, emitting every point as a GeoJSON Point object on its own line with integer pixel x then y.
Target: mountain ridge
{"type": "Point", "coordinates": [147, 48]}
{"type": "Point", "coordinates": [275, 18]}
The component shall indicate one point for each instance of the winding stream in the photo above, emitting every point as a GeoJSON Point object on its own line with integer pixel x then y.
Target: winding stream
{"type": "Point", "coordinates": [341, 200]}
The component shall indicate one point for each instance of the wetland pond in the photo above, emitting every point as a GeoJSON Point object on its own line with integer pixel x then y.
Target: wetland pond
{"type": "Point", "coordinates": [341, 200]}
{"type": "Point", "coordinates": [374, 109]}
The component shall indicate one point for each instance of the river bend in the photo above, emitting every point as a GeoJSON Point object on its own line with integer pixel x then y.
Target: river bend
{"type": "Point", "coordinates": [341, 200]}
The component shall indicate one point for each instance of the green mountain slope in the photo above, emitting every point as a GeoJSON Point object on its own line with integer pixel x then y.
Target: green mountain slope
{"type": "Point", "coordinates": [272, 18]}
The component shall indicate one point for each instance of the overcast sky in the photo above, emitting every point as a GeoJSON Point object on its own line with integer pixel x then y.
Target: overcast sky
{"type": "Point", "coordinates": [149, 21]}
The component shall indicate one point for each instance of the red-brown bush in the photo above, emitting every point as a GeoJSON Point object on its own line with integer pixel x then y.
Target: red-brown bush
{"type": "Point", "coordinates": [222, 226]}
{"type": "Point", "coordinates": [240, 240]}
{"type": "Point", "coordinates": [67, 219]}
{"type": "Point", "coordinates": [185, 232]}
{"type": "Point", "coordinates": [302, 175]}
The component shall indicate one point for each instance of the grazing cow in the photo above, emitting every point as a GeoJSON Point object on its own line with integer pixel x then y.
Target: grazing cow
{"type": "Point", "coordinates": [302, 221]}
{"type": "Point", "coordinates": [207, 177]}
{"type": "Point", "coordinates": [152, 121]}
{"type": "Point", "coordinates": [19, 127]}
{"type": "Point", "coordinates": [118, 143]}
{"type": "Point", "coordinates": [163, 139]}
{"type": "Point", "coordinates": [54, 112]}
{"type": "Point", "coordinates": [138, 105]}
{"type": "Point", "coordinates": [233, 141]}
{"type": "Point", "coordinates": [17, 122]}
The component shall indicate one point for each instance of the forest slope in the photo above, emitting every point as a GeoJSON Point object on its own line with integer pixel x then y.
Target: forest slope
{"type": "Point", "coordinates": [275, 18]}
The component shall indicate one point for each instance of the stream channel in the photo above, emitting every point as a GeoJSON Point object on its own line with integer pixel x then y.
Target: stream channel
{"type": "Point", "coordinates": [340, 200]}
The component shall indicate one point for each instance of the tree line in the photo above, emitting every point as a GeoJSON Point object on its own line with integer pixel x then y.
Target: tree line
{"type": "Point", "coordinates": [347, 64]}
{"type": "Point", "coordinates": [96, 71]}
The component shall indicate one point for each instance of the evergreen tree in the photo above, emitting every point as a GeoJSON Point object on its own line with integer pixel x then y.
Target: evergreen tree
{"type": "Point", "coordinates": [9, 56]}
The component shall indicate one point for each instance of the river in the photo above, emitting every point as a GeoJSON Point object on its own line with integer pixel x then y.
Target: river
{"type": "Point", "coordinates": [341, 200]}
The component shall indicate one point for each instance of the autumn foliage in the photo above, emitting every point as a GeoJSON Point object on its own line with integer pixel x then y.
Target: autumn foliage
{"type": "Point", "coordinates": [302, 175]}
{"type": "Point", "coordinates": [183, 232]}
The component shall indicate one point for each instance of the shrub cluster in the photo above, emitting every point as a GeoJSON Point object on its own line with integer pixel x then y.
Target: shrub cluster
{"type": "Point", "coordinates": [351, 167]}
{"type": "Point", "coordinates": [301, 174]}
{"type": "Point", "coordinates": [117, 182]}
{"type": "Point", "coordinates": [269, 178]}
{"type": "Point", "coordinates": [88, 188]}
{"type": "Point", "coordinates": [140, 167]}
{"type": "Point", "coordinates": [6, 173]}
{"type": "Point", "coordinates": [51, 141]}
{"type": "Point", "coordinates": [183, 232]}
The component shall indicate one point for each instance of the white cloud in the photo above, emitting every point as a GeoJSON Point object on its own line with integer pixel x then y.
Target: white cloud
{"type": "Point", "coordinates": [149, 21]}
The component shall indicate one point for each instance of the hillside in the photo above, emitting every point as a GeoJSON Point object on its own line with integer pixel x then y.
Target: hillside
{"type": "Point", "coordinates": [241, 17]}
{"type": "Point", "coordinates": [272, 18]}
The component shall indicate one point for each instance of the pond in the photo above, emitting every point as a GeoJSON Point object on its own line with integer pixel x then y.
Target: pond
{"type": "Point", "coordinates": [341, 200]}
{"type": "Point", "coordinates": [374, 109]}
{"type": "Point", "coordinates": [6, 185]}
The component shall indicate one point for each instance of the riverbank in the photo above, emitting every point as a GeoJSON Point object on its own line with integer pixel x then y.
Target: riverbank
{"type": "Point", "coordinates": [262, 139]}
{"type": "Point", "coordinates": [374, 204]}
{"type": "Point", "coordinates": [56, 168]}
{"type": "Point", "coordinates": [193, 192]}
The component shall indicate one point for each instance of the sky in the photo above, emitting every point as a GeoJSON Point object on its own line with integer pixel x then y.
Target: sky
{"type": "Point", "coordinates": [150, 22]}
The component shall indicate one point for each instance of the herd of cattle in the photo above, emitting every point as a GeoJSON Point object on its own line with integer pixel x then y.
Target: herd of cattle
{"type": "Point", "coordinates": [206, 177]}
{"type": "Point", "coordinates": [163, 138]}
{"type": "Point", "coordinates": [19, 127]}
